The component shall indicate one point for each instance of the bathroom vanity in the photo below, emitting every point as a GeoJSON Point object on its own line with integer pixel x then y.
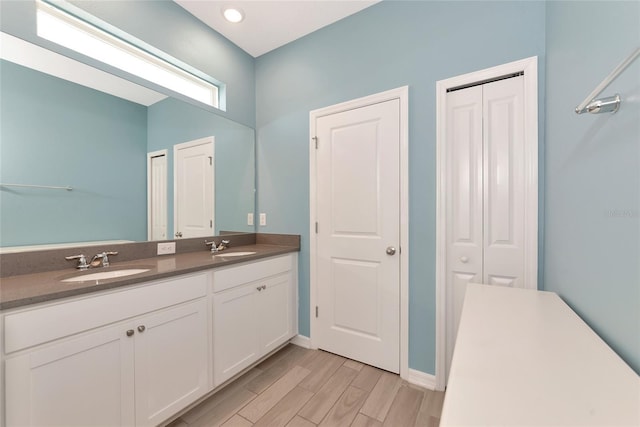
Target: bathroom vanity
{"type": "Point", "coordinates": [137, 350]}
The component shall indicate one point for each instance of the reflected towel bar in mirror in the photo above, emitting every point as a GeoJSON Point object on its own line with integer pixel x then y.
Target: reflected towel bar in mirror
{"type": "Point", "coordinates": [48, 187]}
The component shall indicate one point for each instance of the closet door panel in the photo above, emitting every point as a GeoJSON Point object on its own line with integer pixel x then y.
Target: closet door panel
{"type": "Point", "coordinates": [503, 176]}
{"type": "Point", "coordinates": [464, 183]}
{"type": "Point", "coordinates": [464, 202]}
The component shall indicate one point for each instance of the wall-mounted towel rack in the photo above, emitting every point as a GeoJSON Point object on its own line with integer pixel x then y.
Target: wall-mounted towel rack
{"type": "Point", "coordinates": [611, 103]}
{"type": "Point", "coordinates": [48, 187]}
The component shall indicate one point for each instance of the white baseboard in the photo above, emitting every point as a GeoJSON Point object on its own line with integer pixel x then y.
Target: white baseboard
{"type": "Point", "coordinates": [301, 341]}
{"type": "Point", "coordinates": [422, 379]}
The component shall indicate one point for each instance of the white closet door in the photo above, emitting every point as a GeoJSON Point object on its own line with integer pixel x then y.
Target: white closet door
{"type": "Point", "coordinates": [504, 183]}
{"type": "Point", "coordinates": [464, 202]}
{"type": "Point", "coordinates": [485, 192]}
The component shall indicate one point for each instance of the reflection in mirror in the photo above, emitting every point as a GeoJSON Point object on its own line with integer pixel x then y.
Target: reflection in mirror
{"type": "Point", "coordinates": [58, 133]}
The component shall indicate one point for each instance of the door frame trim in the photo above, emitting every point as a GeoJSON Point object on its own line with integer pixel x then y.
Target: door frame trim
{"type": "Point", "coordinates": [189, 144]}
{"type": "Point", "coordinates": [530, 68]}
{"type": "Point", "coordinates": [151, 155]}
{"type": "Point", "coordinates": [402, 94]}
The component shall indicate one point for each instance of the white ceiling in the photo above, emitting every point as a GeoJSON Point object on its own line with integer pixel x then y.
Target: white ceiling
{"type": "Point", "coordinates": [269, 24]}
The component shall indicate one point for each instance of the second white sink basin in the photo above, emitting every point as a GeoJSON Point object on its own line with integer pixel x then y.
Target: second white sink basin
{"type": "Point", "coordinates": [102, 275]}
{"type": "Point", "coordinates": [232, 254]}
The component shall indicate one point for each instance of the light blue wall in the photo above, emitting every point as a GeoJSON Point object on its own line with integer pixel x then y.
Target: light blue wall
{"type": "Point", "coordinates": [592, 215]}
{"type": "Point", "coordinates": [166, 26]}
{"type": "Point", "coordinates": [389, 45]}
{"type": "Point", "coordinates": [48, 125]}
{"type": "Point", "coordinates": [173, 122]}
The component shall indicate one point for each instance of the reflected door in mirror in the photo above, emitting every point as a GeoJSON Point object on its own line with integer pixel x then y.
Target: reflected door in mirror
{"type": "Point", "coordinates": [157, 193]}
{"type": "Point", "coordinates": [194, 186]}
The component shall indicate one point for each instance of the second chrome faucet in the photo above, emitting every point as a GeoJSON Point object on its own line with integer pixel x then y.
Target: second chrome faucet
{"type": "Point", "coordinates": [217, 248]}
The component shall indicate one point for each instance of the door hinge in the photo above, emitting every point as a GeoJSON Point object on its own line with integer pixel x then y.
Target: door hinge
{"type": "Point", "coordinates": [316, 311]}
{"type": "Point", "coordinates": [210, 161]}
{"type": "Point", "coordinates": [316, 227]}
{"type": "Point", "coordinates": [210, 223]}
{"type": "Point", "coordinates": [315, 138]}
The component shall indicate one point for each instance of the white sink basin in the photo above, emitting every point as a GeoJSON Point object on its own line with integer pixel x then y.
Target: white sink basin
{"type": "Point", "coordinates": [232, 254]}
{"type": "Point", "coordinates": [102, 275]}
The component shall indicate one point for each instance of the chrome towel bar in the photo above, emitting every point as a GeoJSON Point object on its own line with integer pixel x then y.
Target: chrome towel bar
{"type": "Point", "coordinates": [609, 104]}
{"type": "Point", "coordinates": [48, 187]}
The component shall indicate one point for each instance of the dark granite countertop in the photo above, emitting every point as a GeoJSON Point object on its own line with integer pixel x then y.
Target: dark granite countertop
{"type": "Point", "coordinates": [25, 289]}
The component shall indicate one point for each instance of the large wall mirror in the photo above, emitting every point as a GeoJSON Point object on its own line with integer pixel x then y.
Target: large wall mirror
{"type": "Point", "coordinates": [58, 133]}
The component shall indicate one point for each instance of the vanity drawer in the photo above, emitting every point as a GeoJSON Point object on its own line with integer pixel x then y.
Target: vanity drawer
{"type": "Point", "coordinates": [229, 277]}
{"type": "Point", "coordinates": [37, 326]}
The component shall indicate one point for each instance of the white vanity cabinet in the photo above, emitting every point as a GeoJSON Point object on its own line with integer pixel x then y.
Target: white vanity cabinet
{"type": "Point", "coordinates": [254, 311]}
{"type": "Point", "coordinates": [129, 357]}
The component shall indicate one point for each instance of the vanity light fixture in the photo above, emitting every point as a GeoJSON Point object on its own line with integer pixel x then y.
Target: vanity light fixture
{"type": "Point", "coordinates": [233, 14]}
{"type": "Point", "coordinates": [61, 27]}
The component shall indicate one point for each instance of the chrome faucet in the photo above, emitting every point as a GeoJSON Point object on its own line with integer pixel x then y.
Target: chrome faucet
{"type": "Point", "coordinates": [101, 259]}
{"type": "Point", "coordinates": [217, 248]}
{"type": "Point", "coordinates": [82, 261]}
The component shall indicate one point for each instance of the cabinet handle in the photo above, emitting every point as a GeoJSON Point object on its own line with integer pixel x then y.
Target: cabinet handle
{"type": "Point", "coordinates": [259, 288]}
{"type": "Point", "coordinates": [130, 332]}
{"type": "Point", "coordinates": [264, 287]}
{"type": "Point", "coordinates": [141, 328]}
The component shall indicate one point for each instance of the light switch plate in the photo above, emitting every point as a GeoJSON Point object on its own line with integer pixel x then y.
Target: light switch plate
{"type": "Point", "coordinates": [250, 218]}
{"type": "Point", "coordinates": [263, 219]}
{"type": "Point", "coordinates": [166, 248]}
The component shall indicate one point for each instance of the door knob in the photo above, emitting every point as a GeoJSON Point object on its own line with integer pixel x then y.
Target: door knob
{"type": "Point", "coordinates": [179, 234]}
{"type": "Point", "coordinates": [391, 250]}
{"type": "Point", "coordinates": [464, 259]}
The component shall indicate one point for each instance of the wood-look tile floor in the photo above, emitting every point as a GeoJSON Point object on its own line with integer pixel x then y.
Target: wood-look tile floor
{"type": "Point", "coordinates": [297, 387]}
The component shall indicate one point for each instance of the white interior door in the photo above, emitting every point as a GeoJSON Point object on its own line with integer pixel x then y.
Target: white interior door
{"type": "Point", "coordinates": [193, 189]}
{"type": "Point", "coordinates": [157, 195]}
{"type": "Point", "coordinates": [484, 199]}
{"type": "Point", "coordinates": [358, 234]}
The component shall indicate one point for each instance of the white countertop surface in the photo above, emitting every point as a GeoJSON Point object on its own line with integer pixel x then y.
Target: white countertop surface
{"type": "Point", "coordinates": [524, 358]}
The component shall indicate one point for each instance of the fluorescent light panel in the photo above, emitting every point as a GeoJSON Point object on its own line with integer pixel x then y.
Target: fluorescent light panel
{"type": "Point", "coordinates": [66, 30]}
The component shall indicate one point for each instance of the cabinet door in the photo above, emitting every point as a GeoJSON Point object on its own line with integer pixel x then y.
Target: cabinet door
{"type": "Point", "coordinates": [275, 311]}
{"type": "Point", "coordinates": [235, 331]}
{"type": "Point", "coordinates": [170, 361]}
{"type": "Point", "coordinates": [86, 381]}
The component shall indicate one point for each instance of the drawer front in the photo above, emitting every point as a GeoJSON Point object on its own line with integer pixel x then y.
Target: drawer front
{"type": "Point", "coordinates": [226, 278]}
{"type": "Point", "coordinates": [32, 327]}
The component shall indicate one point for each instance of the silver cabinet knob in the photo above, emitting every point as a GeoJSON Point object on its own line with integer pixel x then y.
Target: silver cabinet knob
{"type": "Point", "coordinates": [464, 259]}
{"type": "Point", "coordinates": [141, 328]}
{"type": "Point", "coordinates": [391, 250]}
{"type": "Point", "coordinates": [130, 332]}
{"type": "Point", "coordinates": [179, 234]}
{"type": "Point", "coordinates": [259, 288]}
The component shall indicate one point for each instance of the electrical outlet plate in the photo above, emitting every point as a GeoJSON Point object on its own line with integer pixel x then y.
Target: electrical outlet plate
{"type": "Point", "coordinates": [250, 218]}
{"type": "Point", "coordinates": [263, 219]}
{"type": "Point", "coordinates": [166, 248]}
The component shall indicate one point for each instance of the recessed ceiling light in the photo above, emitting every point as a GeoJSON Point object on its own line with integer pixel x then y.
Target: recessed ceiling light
{"type": "Point", "coordinates": [233, 14]}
